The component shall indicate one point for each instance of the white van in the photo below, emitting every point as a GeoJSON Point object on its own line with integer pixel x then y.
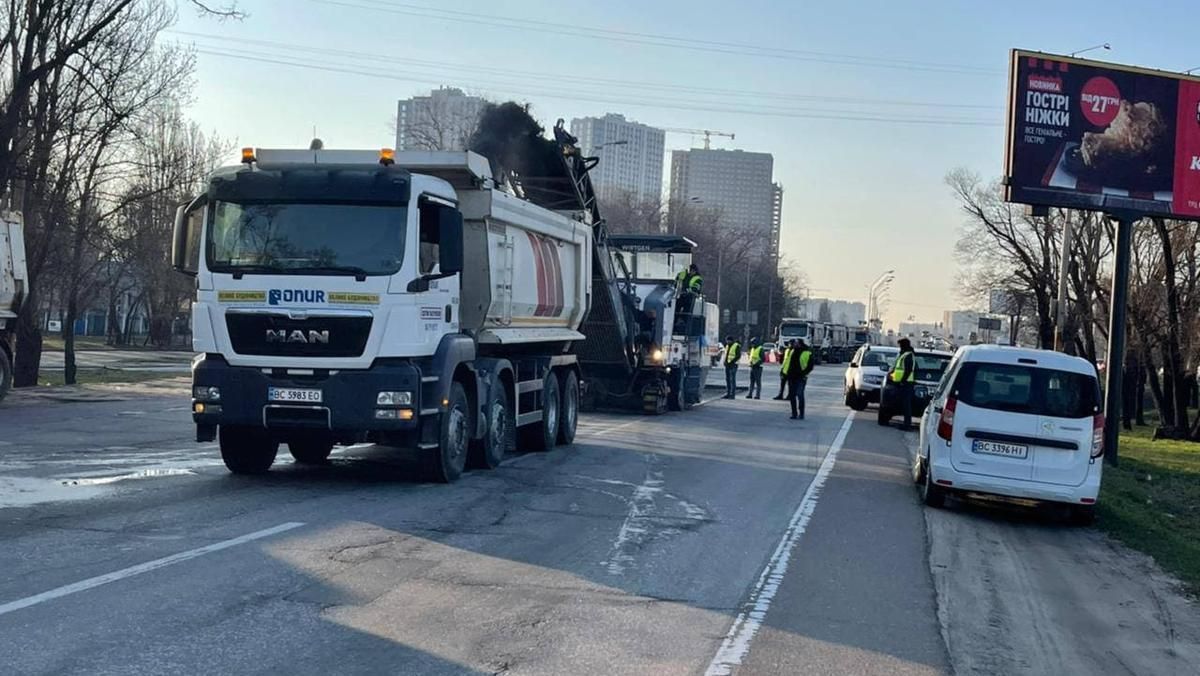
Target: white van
{"type": "Point", "coordinates": [1014, 422]}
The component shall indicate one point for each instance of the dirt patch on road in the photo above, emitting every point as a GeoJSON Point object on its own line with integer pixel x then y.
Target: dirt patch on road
{"type": "Point", "coordinates": [1023, 594]}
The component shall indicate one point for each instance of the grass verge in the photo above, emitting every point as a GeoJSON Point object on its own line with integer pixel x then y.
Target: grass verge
{"type": "Point", "coordinates": [1151, 502]}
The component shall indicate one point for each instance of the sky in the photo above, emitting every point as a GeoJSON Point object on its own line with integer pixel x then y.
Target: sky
{"type": "Point", "coordinates": [865, 105]}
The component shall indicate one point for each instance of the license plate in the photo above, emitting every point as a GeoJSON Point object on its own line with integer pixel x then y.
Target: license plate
{"type": "Point", "coordinates": [1018, 451]}
{"type": "Point", "coordinates": [292, 394]}
{"type": "Point", "coordinates": [921, 392]}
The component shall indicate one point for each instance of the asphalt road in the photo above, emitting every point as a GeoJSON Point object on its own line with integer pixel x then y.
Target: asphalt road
{"type": "Point", "coordinates": [727, 539]}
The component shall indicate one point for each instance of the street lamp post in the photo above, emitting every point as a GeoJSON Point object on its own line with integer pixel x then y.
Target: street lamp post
{"type": "Point", "coordinates": [873, 294]}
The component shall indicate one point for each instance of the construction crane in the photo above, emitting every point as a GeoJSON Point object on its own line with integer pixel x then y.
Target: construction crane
{"type": "Point", "coordinates": [708, 134]}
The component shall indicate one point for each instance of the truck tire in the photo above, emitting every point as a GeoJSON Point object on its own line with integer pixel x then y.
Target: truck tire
{"type": "Point", "coordinates": [247, 450]}
{"type": "Point", "coordinates": [488, 452]}
{"type": "Point", "coordinates": [6, 374]}
{"type": "Point", "coordinates": [541, 436]}
{"type": "Point", "coordinates": [569, 418]}
{"type": "Point", "coordinates": [313, 451]}
{"type": "Point", "coordinates": [447, 464]}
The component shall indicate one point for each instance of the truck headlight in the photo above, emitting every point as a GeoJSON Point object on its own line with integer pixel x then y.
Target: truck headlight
{"type": "Point", "coordinates": [206, 393]}
{"type": "Point", "coordinates": [394, 399]}
{"type": "Point", "coordinates": [657, 356]}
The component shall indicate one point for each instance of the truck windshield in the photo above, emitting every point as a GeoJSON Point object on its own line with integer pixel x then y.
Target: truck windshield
{"type": "Point", "coordinates": [289, 238]}
{"type": "Point", "coordinates": [793, 331]}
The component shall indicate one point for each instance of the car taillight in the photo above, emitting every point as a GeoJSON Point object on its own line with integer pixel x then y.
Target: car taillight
{"type": "Point", "coordinates": [1098, 435]}
{"type": "Point", "coordinates": [945, 428]}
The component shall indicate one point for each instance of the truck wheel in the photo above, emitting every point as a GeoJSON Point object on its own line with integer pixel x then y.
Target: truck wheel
{"type": "Point", "coordinates": [486, 453]}
{"type": "Point", "coordinates": [313, 451]}
{"type": "Point", "coordinates": [540, 436]}
{"type": "Point", "coordinates": [247, 450]}
{"type": "Point", "coordinates": [570, 407]}
{"type": "Point", "coordinates": [447, 464]}
{"type": "Point", "coordinates": [6, 374]}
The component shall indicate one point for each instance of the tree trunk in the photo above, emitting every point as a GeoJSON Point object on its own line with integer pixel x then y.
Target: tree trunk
{"type": "Point", "coordinates": [1140, 416]}
{"type": "Point", "coordinates": [29, 345]}
{"type": "Point", "coordinates": [1172, 355]}
{"type": "Point", "coordinates": [1156, 390]}
{"type": "Point", "coordinates": [1045, 323]}
{"type": "Point", "coordinates": [1129, 390]}
{"type": "Point", "coordinates": [68, 335]}
{"type": "Point", "coordinates": [114, 323]}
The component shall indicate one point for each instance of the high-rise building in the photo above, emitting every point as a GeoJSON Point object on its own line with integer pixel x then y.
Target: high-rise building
{"type": "Point", "coordinates": [738, 184]}
{"type": "Point", "coordinates": [444, 120]}
{"type": "Point", "coordinates": [631, 156]}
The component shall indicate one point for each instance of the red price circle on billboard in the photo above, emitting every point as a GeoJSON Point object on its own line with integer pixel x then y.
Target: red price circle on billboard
{"type": "Point", "coordinates": [1100, 101]}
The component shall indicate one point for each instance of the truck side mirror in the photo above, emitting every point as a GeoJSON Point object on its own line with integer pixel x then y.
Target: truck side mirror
{"type": "Point", "coordinates": [185, 248]}
{"type": "Point", "coordinates": [450, 241]}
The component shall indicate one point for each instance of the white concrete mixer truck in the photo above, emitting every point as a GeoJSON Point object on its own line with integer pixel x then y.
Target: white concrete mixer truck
{"type": "Point", "coordinates": [378, 296]}
{"type": "Point", "coordinates": [13, 281]}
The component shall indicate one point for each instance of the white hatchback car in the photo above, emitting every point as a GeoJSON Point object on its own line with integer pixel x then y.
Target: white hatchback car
{"type": "Point", "coordinates": [1014, 422]}
{"type": "Point", "coordinates": [865, 374]}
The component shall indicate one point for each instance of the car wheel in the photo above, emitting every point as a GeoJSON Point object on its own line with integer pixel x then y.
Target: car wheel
{"type": "Point", "coordinates": [488, 452]}
{"type": "Point", "coordinates": [932, 494]}
{"type": "Point", "coordinates": [1083, 515]}
{"type": "Point", "coordinates": [918, 470]}
{"type": "Point", "coordinates": [859, 402]}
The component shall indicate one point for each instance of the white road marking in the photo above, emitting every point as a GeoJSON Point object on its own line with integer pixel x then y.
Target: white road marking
{"type": "Point", "coordinates": [146, 567]}
{"type": "Point", "coordinates": [634, 526]}
{"type": "Point", "coordinates": [737, 642]}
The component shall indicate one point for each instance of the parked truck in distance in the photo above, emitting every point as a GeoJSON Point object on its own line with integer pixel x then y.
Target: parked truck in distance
{"type": "Point", "coordinates": [13, 289]}
{"type": "Point", "coordinates": [375, 296]}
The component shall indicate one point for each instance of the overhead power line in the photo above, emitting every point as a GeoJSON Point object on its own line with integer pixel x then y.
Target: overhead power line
{"type": "Point", "coordinates": [474, 69]}
{"type": "Point", "coordinates": [658, 40]}
{"type": "Point", "coordinates": [676, 104]}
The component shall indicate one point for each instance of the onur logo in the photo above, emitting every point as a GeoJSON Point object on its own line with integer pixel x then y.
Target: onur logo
{"type": "Point", "coordinates": [298, 336]}
{"type": "Point", "coordinates": [277, 296]}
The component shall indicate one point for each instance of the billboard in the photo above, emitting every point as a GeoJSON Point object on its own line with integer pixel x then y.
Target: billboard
{"type": "Point", "coordinates": [1090, 135]}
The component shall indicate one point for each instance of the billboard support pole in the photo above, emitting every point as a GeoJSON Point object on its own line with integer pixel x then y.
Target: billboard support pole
{"type": "Point", "coordinates": [1115, 360]}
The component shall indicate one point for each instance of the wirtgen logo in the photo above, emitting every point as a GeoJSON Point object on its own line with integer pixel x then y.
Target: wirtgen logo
{"type": "Point", "coordinates": [277, 296]}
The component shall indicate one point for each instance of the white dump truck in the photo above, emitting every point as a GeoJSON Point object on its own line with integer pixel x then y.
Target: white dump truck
{"type": "Point", "coordinates": [401, 298]}
{"type": "Point", "coordinates": [13, 288]}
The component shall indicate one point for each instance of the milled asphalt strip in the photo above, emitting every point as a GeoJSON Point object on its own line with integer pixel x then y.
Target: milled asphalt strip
{"type": "Point", "coordinates": [741, 634]}
{"type": "Point", "coordinates": [146, 567]}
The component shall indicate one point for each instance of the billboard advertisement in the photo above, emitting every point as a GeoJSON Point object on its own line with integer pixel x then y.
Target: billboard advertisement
{"type": "Point", "coordinates": [1090, 135]}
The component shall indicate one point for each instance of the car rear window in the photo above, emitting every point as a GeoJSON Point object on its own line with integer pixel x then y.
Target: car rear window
{"type": "Point", "coordinates": [931, 366]}
{"type": "Point", "coordinates": [878, 359]}
{"type": "Point", "coordinates": [1028, 389]}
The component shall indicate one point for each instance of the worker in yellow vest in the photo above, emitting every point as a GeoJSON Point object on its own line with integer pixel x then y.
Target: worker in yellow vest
{"type": "Point", "coordinates": [756, 368]}
{"type": "Point", "coordinates": [904, 378]}
{"type": "Point", "coordinates": [801, 365]}
{"type": "Point", "coordinates": [733, 353]}
{"type": "Point", "coordinates": [783, 368]}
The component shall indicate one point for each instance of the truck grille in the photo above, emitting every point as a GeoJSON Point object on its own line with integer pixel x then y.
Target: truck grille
{"type": "Point", "coordinates": [282, 336]}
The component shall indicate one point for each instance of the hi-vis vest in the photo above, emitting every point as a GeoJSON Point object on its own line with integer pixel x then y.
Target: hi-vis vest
{"type": "Point", "coordinates": [905, 370]}
{"type": "Point", "coordinates": [733, 352]}
{"type": "Point", "coordinates": [805, 357]}
{"type": "Point", "coordinates": [694, 283]}
{"type": "Point", "coordinates": [787, 360]}
{"type": "Point", "coordinates": [756, 357]}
